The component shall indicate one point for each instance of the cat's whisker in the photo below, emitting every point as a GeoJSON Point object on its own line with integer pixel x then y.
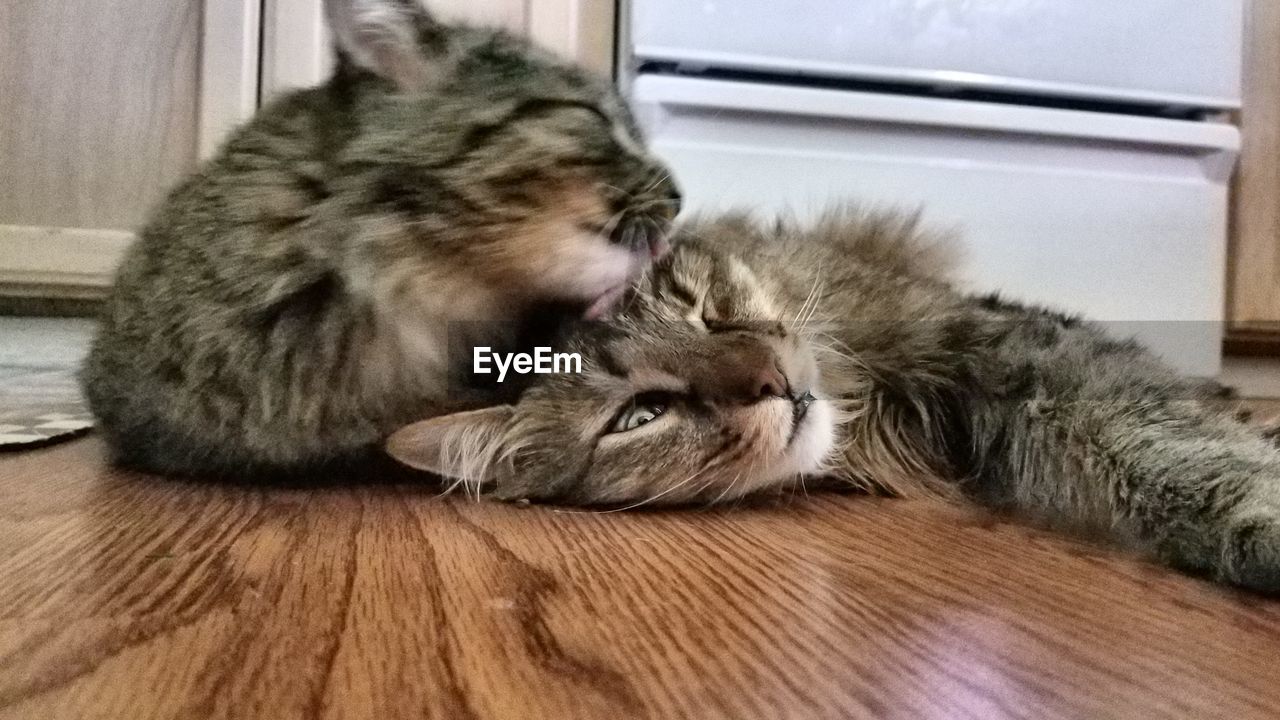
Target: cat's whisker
{"type": "Point", "coordinates": [641, 503]}
{"type": "Point", "coordinates": [813, 306]}
{"type": "Point", "coordinates": [659, 201]}
{"type": "Point", "coordinates": [804, 316]}
{"type": "Point", "coordinates": [654, 498]}
{"type": "Point", "coordinates": [803, 487]}
{"type": "Point", "coordinates": [724, 492]}
{"type": "Point", "coordinates": [450, 488]}
{"type": "Point", "coordinates": [660, 175]}
{"type": "Point", "coordinates": [809, 299]}
{"type": "Point", "coordinates": [647, 205]}
{"type": "Point", "coordinates": [701, 488]}
{"type": "Point", "coordinates": [611, 224]}
{"type": "Point", "coordinates": [630, 303]}
{"type": "Point", "coordinates": [840, 349]}
{"type": "Point", "coordinates": [799, 322]}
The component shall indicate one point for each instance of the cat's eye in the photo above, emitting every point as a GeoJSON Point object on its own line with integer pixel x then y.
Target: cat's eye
{"type": "Point", "coordinates": [636, 414]}
{"type": "Point", "coordinates": [715, 322]}
{"type": "Point", "coordinates": [714, 325]}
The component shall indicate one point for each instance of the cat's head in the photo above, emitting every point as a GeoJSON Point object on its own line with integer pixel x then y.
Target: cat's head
{"type": "Point", "coordinates": [697, 392]}
{"type": "Point", "coordinates": [521, 168]}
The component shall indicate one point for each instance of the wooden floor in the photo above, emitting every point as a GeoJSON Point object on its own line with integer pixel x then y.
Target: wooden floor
{"type": "Point", "coordinates": [124, 596]}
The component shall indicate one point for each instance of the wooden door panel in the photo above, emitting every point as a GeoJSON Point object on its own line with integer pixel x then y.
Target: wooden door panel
{"type": "Point", "coordinates": [107, 104]}
{"type": "Point", "coordinates": [1254, 302]}
{"type": "Point", "coordinates": [99, 112]}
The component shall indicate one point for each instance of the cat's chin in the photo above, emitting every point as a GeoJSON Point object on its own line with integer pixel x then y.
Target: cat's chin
{"type": "Point", "coordinates": [598, 275]}
{"type": "Point", "coordinates": [807, 451]}
{"type": "Point", "coordinates": [631, 265]}
{"type": "Point", "coordinates": [603, 306]}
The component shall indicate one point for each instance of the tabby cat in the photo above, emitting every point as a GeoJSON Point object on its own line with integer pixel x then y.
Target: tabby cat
{"type": "Point", "coordinates": [756, 356]}
{"type": "Point", "coordinates": [291, 303]}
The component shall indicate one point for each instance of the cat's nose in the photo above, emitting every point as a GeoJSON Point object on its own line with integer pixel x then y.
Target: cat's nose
{"type": "Point", "coordinates": [755, 381]}
{"type": "Point", "coordinates": [771, 383]}
{"type": "Point", "coordinates": [744, 369]}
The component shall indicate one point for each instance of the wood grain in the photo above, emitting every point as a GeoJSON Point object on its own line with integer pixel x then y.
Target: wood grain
{"type": "Point", "coordinates": [99, 120]}
{"type": "Point", "coordinates": [123, 595]}
{"type": "Point", "coordinates": [100, 108]}
{"type": "Point", "coordinates": [581, 30]}
{"type": "Point", "coordinates": [230, 63]}
{"type": "Point", "coordinates": [509, 14]}
{"type": "Point", "coordinates": [1254, 282]}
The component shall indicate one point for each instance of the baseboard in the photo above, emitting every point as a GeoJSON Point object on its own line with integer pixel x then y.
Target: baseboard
{"type": "Point", "coordinates": [50, 262]}
{"type": "Point", "coordinates": [1252, 377]}
{"type": "Point", "coordinates": [1258, 340]}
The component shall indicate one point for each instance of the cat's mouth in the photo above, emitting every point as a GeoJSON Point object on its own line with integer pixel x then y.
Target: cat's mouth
{"type": "Point", "coordinates": [646, 240]}
{"type": "Point", "coordinates": [800, 405]}
{"type": "Point", "coordinates": [603, 305]}
{"type": "Point", "coordinates": [809, 440]}
{"type": "Point", "coordinates": [645, 236]}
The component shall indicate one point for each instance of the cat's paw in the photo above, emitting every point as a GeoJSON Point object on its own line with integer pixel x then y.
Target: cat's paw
{"type": "Point", "coordinates": [1251, 555]}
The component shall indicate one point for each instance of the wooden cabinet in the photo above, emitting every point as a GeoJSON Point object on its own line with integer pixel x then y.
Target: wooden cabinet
{"type": "Point", "coordinates": [108, 103]}
{"type": "Point", "coordinates": [1254, 280]}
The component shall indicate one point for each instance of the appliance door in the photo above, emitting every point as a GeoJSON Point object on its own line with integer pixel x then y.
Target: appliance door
{"type": "Point", "coordinates": [1120, 218]}
{"type": "Point", "coordinates": [1166, 52]}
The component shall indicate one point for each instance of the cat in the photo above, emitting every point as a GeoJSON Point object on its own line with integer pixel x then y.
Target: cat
{"type": "Point", "coordinates": [757, 356]}
{"type": "Point", "coordinates": [292, 302]}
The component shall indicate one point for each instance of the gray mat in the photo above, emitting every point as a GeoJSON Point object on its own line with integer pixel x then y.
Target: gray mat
{"type": "Point", "coordinates": [40, 401]}
{"type": "Point", "coordinates": [39, 407]}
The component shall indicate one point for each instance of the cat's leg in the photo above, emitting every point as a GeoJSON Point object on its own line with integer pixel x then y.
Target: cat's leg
{"type": "Point", "coordinates": [1192, 484]}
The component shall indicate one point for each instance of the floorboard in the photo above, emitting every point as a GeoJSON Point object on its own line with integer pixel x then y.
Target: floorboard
{"type": "Point", "coordinates": [127, 596]}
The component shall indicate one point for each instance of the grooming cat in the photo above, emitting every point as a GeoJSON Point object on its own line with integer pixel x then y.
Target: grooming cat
{"type": "Point", "coordinates": [754, 357]}
{"type": "Point", "coordinates": [289, 304]}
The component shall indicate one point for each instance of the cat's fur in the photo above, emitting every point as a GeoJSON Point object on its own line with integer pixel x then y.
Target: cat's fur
{"type": "Point", "coordinates": [289, 304]}
{"type": "Point", "coordinates": [920, 390]}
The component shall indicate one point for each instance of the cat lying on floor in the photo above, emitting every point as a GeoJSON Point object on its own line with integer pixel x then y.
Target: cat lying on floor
{"type": "Point", "coordinates": [754, 357]}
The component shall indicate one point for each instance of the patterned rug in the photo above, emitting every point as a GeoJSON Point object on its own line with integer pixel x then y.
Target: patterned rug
{"type": "Point", "coordinates": [40, 406]}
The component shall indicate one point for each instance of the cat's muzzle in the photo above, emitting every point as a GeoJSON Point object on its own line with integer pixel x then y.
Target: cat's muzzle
{"type": "Point", "coordinates": [643, 235]}
{"type": "Point", "coordinates": [646, 229]}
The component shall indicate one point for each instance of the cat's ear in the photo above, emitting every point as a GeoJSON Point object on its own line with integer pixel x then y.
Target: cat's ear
{"type": "Point", "coordinates": [386, 38]}
{"type": "Point", "coordinates": [460, 446]}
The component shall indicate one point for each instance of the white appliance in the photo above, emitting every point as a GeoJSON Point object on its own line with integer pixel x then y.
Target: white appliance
{"type": "Point", "coordinates": [1066, 141]}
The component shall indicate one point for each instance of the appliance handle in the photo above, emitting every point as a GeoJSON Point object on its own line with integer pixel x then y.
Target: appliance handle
{"type": "Point", "coordinates": [672, 93]}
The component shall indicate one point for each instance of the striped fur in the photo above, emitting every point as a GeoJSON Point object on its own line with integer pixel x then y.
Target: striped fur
{"type": "Point", "coordinates": [931, 392]}
{"type": "Point", "coordinates": [290, 304]}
